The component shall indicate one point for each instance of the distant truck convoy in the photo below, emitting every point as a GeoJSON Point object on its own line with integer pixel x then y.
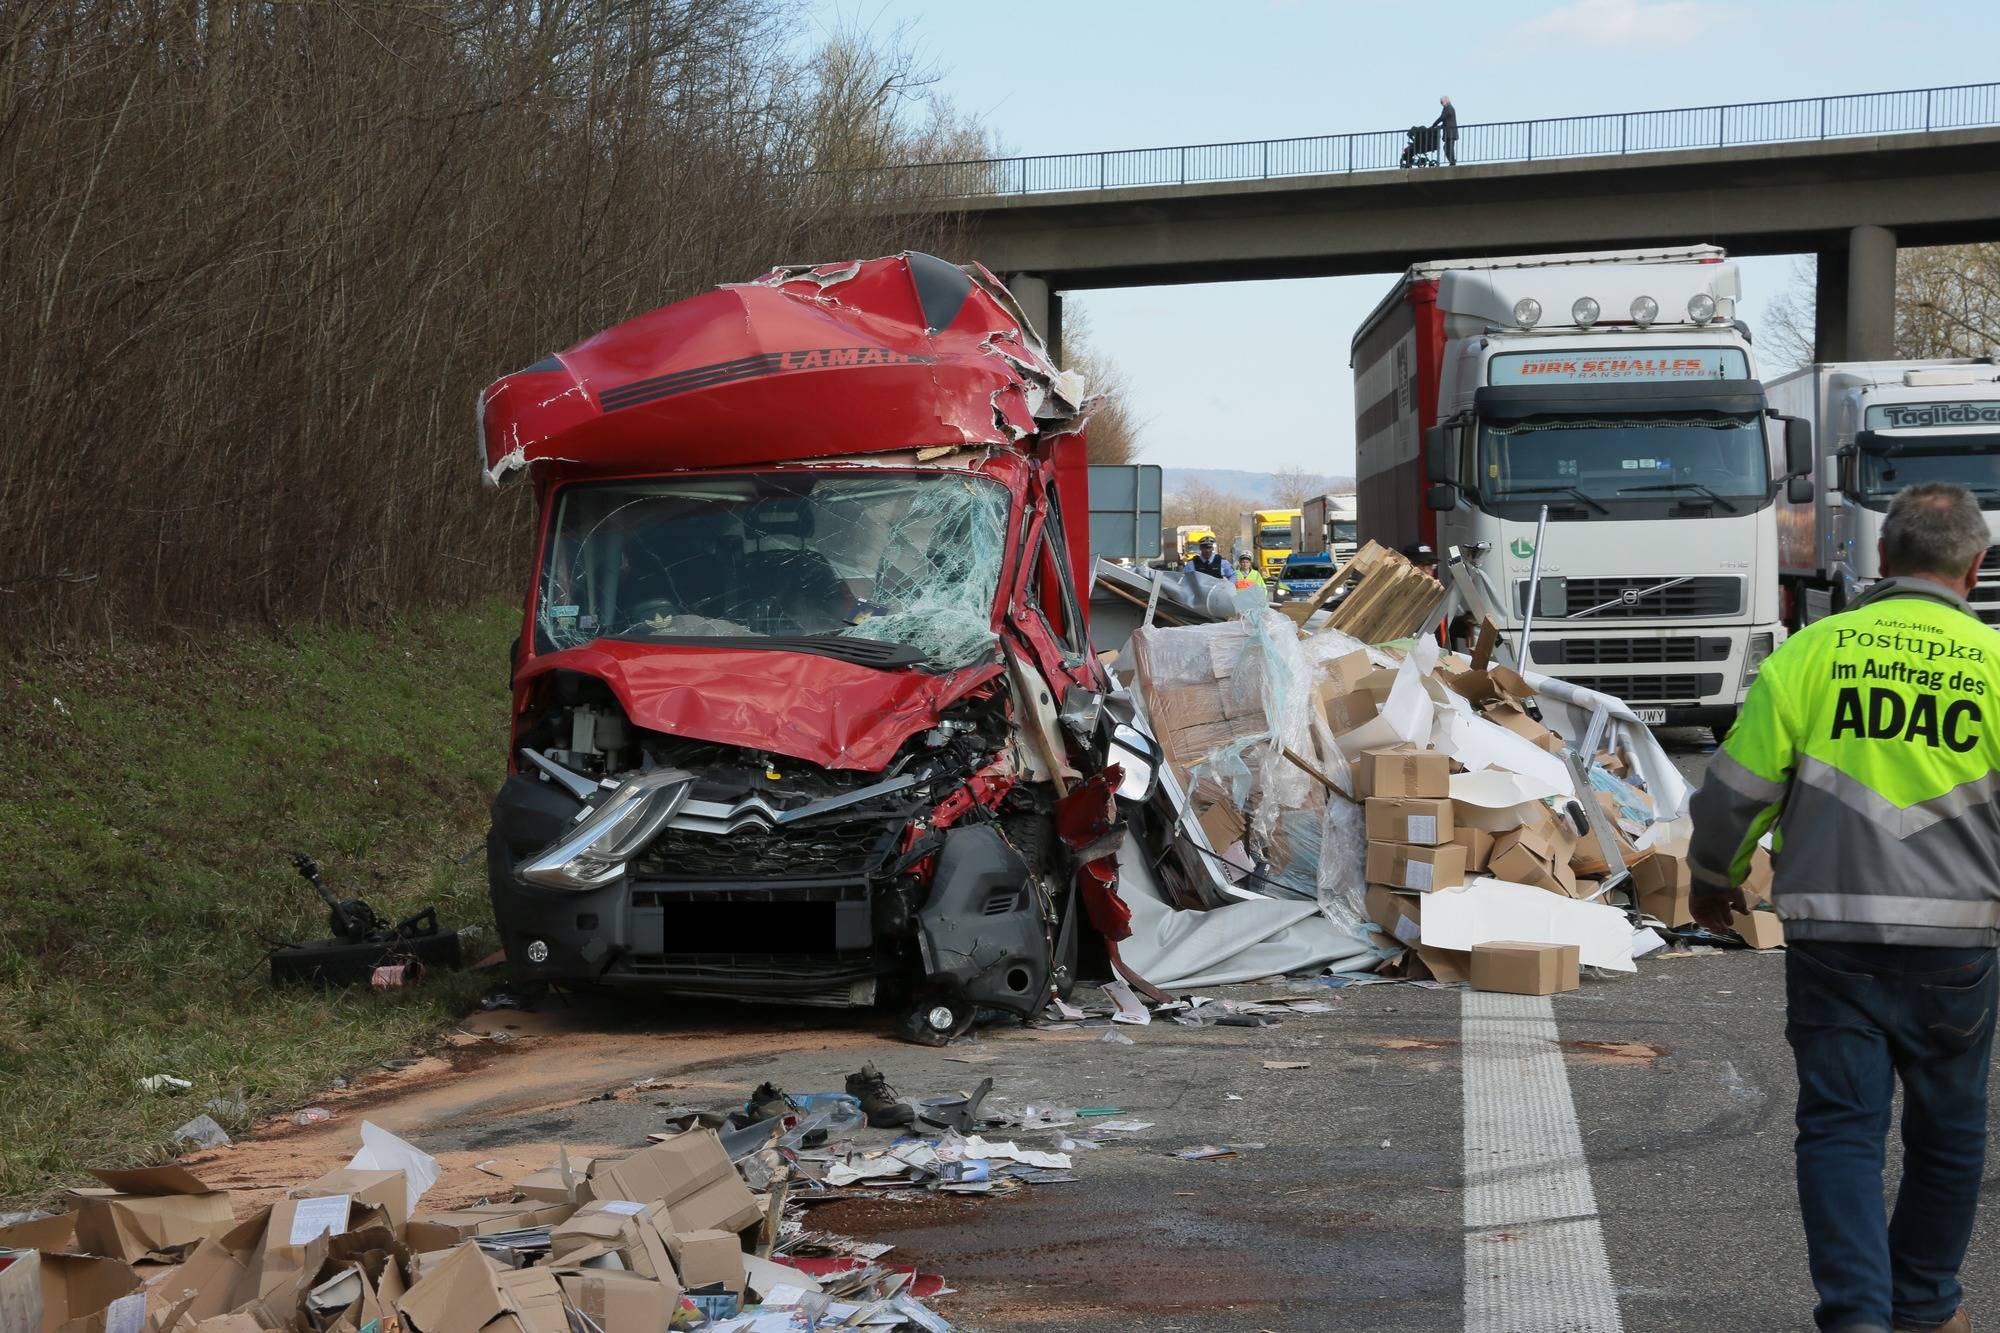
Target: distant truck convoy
{"type": "Point", "coordinates": [1618, 390]}
{"type": "Point", "coordinates": [1881, 426]}
{"type": "Point", "coordinates": [1267, 535]}
{"type": "Point", "coordinates": [1327, 523]}
{"type": "Point", "coordinates": [1183, 543]}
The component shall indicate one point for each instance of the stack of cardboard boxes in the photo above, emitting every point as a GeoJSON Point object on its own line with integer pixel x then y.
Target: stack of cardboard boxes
{"type": "Point", "coordinates": [630, 1242]}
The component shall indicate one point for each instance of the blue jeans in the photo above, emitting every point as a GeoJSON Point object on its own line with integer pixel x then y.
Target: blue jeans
{"type": "Point", "coordinates": [1859, 1016]}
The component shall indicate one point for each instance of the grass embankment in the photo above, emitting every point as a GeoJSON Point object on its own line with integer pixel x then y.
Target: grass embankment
{"type": "Point", "coordinates": [151, 801]}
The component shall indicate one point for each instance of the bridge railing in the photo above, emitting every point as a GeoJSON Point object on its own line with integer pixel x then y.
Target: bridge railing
{"type": "Point", "coordinates": [1963, 106]}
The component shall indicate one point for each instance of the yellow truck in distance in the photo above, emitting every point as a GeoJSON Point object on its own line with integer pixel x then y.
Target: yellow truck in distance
{"type": "Point", "coordinates": [1267, 533]}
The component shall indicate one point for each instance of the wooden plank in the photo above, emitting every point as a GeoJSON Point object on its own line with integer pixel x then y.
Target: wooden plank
{"type": "Point", "coordinates": [1363, 561]}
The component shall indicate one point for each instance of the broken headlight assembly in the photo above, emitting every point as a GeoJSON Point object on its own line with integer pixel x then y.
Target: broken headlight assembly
{"type": "Point", "coordinates": [610, 833]}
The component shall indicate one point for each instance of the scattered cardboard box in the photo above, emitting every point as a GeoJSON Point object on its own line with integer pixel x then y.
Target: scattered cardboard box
{"type": "Point", "coordinates": [1423, 868]}
{"type": "Point", "coordinates": [702, 1257]}
{"type": "Point", "coordinates": [691, 1173]}
{"type": "Point", "coordinates": [1526, 856]}
{"type": "Point", "coordinates": [386, 1190]}
{"type": "Point", "coordinates": [615, 1301]}
{"type": "Point", "coordinates": [1400, 913]}
{"type": "Point", "coordinates": [149, 1210]}
{"type": "Point", "coordinates": [20, 1289]}
{"type": "Point", "coordinates": [1519, 967]}
{"type": "Point", "coordinates": [464, 1294]}
{"type": "Point", "coordinates": [1425, 821]}
{"type": "Point", "coordinates": [1344, 674]}
{"type": "Point", "coordinates": [444, 1231]}
{"type": "Point", "coordinates": [89, 1294]}
{"type": "Point", "coordinates": [1760, 929]}
{"type": "Point", "coordinates": [635, 1233]}
{"type": "Point", "coordinates": [1222, 824]}
{"type": "Point", "coordinates": [1402, 771]}
{"type": "Point", "coordinates": [1661, 885]}
{"type": "Point", "coordinates": [562, 1182]}
{"type": "Point", "coordinates": [1478, 844]}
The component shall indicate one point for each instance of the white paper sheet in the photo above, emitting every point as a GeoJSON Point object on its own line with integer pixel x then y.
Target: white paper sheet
{"type": "Point", "coordinates": [1129, 1010]}
{"type": "Point", "coordinates": [1479, 744]}
{"type": "Point", "coordinates": [1496, 801]}
{"type": "Point", "coordinates": [1490, 909]}
{"type": "Point", "coordinates": [326, 1215]}
{"type": "Point", "coordinates": [383, 1151]}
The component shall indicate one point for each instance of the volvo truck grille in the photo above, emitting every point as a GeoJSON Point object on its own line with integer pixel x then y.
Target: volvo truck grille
{"type": "Point", "coordinates": [1621, 652]}
{"type": "Point", "coordinates": [1654, 689]}
{"type": "Point", "coordinates": [1986, 597]}
{"type": "Point", "coordinates": [1633, 597]}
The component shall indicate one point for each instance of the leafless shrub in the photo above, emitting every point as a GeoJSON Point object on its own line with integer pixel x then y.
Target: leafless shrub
{"type": "Point", "coordinates": [257, 258]}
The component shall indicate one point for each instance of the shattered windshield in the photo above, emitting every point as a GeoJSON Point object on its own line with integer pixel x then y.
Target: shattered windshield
{"type": "Point", "coordinates": [1623, 458]}
{"type": "Point", "coordinates": [900, 558]}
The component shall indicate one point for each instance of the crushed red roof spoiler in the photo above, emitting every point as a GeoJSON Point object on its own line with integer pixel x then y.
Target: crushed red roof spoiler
{"type": "Point", "coordinates": [866, 357]}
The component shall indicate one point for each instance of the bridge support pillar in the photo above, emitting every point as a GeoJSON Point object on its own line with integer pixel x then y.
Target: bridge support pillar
{"type": "Point", "coordinates": [1871, 294]}
{"type": "Point", "coordinates": [1042, 305]}
{"type": "Point", "coordinates": [1830, 306]}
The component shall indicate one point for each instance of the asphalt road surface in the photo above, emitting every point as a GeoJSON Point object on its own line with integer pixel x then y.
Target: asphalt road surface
{"type": "Point", "coordinates": [1618, 1157]}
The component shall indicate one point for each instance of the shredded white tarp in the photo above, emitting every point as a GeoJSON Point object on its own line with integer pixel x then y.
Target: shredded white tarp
{"type": "Point", "coordinates": [1240, 941]}
{"type": "Point", "coordinates": [1567, 708]}
{"type": "Point", "coordinates": [1490, 909]}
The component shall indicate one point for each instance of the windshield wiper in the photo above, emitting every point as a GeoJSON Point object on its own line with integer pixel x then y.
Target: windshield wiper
{"type": "Point", "coordinates": [1555, 490]}
{"type": "Point", "coordinates": [1682, 486]}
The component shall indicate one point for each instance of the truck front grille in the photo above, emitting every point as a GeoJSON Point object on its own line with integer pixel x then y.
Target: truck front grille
{"type": "Point", "coordinates": [1633, 597]}
{"type": "Point", "coordinates": [1622, 652]}
{"type": "Point", "coordinates": [1986, 597]}
{"type": "Point", "coordinates": [1654, 689]}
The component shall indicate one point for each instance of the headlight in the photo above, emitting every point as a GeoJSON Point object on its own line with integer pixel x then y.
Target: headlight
{"type": "Point", "coordinates": [1753, 656]}
{"type": "Point", "coordinates": [1644, 310]}
{"type": "Point", "coordinates": [1701, 308]}
{"type": "Point", "coordinates": [1527, 312]}
{"type": "Point", "coordinates": [1584, 312]}
{"type": "Point", "coordinates": [595, 852]}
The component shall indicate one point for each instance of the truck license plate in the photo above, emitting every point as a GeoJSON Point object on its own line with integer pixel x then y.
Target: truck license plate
{"type": "Point", "coordinates": [1652, 717]}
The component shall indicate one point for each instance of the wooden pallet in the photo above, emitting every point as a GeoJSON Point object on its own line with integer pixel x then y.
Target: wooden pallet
{"type": "Point", "coordinates": [1394, 601]}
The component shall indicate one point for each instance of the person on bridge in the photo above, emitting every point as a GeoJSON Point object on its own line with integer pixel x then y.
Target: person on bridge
{"type": "Point", "coordinates": [1871, 739]}
{"type": "Point", "coordinates": [1447, 127]}
{"type": "Point", "coordinates": [1208, 562]}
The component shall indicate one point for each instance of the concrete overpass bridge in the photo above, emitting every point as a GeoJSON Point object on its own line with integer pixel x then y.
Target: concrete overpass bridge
{"type": "Point", "coordinates": [1848, 179]}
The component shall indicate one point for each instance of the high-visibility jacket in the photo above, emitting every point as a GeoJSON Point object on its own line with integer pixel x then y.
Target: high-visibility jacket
{"type": "Point", "coordinates": [1872, 740]}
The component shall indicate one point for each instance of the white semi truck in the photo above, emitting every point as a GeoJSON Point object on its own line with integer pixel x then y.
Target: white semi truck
{"type": "Point", "coordinates": [1618, 390]}
{"type": "Point", "coordinates": [1881, 426]}
{"type": "Point", "coordinates": [1327, 523]}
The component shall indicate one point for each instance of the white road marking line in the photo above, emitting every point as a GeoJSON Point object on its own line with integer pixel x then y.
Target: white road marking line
{"type": "Point", "coordinates": [1534, 1248]}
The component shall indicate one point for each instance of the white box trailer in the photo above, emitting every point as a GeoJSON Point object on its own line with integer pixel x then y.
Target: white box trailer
{"type": "Point", "coordinates": [1879, 426]}
{"type": "Point", "coordinates": [1618, 390]}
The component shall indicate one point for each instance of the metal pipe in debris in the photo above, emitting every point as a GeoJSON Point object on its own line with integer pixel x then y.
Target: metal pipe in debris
{"type": "Point", "coordinates": [1534, 586]}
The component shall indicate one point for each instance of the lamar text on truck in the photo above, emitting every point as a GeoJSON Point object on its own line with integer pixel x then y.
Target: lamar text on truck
{"type": "Point", "coordinates": [804, 704]}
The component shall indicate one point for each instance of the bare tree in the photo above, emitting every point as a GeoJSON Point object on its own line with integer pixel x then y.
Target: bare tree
{"type": "Point", "coordinates": [1199, 502]}
{"type": "Point", "coordinates": [1114, 428]}
{"type": "Point", "coordinates": [1291, 487]}
{"type": "Point", "coordinates": [257, 261]}
{"type": "Point", "coordinates": [1947, 305]}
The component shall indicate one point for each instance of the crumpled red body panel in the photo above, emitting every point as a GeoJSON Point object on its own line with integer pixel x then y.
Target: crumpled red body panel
{"type": "Point", "coordinates": [819, 709]}
{"type": "Point", "coordinates": [871, 357]}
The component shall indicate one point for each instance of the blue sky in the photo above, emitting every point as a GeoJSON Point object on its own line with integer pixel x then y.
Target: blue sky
{"type": "Point", "coordinates": [1274, 389]}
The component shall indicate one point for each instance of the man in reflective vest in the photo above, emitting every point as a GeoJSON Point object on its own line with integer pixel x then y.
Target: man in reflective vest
{"type": "Point", "coordinates": [1871, 740]}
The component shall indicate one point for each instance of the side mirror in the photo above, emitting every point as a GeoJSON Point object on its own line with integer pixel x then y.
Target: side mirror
{"type": "Point", "coordinates": [1799, 490]}
{"type": "Point", "coordinates": [1139, 756]}
{"type": "Point", "coordinates": [1441, 453]}
{"type": "Point", "coordinates": [1442, 498]}
{"type": "Point", "coordinates": [1798, 446]}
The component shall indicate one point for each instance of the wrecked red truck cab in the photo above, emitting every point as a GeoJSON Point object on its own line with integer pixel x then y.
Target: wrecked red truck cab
{"type": "Point", "coordinates": [804, 679]}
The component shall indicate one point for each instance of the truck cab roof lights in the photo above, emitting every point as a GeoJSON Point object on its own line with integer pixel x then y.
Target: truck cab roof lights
{"type": "Point", "coordinates": [1644, 310]}
{"type": "Point", "coordinates": [1584, 311]}
{"type": "Point", "coordinates": [1527, 312]}
{"type": "Point", "coordinates": [1701, 308]}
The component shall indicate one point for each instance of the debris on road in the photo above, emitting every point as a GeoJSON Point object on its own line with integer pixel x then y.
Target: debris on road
{"type": "Point", "coordinates": [686, 1231]}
